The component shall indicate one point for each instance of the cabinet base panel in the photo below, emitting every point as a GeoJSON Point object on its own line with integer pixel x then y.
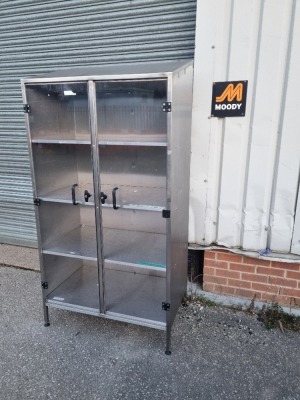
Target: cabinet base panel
{"type": "Point", "coordinates": [132, 297]}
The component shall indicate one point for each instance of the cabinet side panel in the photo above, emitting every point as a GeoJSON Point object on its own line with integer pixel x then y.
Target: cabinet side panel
{"type": "Point", "coordinates": [179, 169]}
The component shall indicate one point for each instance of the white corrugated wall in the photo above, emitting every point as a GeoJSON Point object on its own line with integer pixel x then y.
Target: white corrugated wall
{"type": "Point", "coordinates": [245, 170]}
{"type": "Point", "coordinates": [41, 36]}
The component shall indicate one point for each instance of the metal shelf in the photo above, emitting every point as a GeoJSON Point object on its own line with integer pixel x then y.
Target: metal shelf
{"type": "Point", "coordinates": [136, 295]}
{"type": "Point", "coordinates": [79, 291]}
{"type": "Point", "coordinates": [136, 197]}
{"type": "Point", "coordinates": [141, 249]}
{"type": "Point", "coordinates": [60, 141]}
{"type": "Point", "coordinates": [79, 243]}
{"type": "Point", "coordinates": [128, 197]}
{"type": "Point", "coordinates": [132, 143]}
{"type": "Point", "coordinates": [129, 297]}
{"type": "Point", "coordinates": [160, 139]}
{"type": "Point", "coordinates": [108, 139]}
{"type": "Point", "coordinates": [64, 195]}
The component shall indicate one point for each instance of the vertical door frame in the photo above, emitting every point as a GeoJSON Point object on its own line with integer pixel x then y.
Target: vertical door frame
{"type": "Point", "coordinates": [96, 179]}
{"type": "Point", "coordinates": [168, 205]}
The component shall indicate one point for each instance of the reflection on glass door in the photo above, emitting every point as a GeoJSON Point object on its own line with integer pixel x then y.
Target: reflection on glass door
{"type": "Point", "coordinates": [132, 133]}
{"type": "Point", "coordinates": [61, 152]}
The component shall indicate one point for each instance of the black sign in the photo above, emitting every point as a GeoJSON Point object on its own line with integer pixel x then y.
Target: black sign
{"type": "Point", "coordinates": [229, 99]}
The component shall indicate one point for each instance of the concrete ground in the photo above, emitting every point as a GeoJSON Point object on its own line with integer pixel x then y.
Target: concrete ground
{"type": "Point", "coordinates": [19, 256]}
{"type": "Point", "coordinates": [218, 353]}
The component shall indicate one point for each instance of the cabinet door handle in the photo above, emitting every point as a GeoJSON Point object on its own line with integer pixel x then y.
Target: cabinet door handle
{"type": "Point", "coordinates": [103, 197]}
{"type": "Point", "coordinates": [114, 197]}
{"type": "Point", "coordinates": [87, 195]}
{"type": "Point", "coordinates": [74, 194]}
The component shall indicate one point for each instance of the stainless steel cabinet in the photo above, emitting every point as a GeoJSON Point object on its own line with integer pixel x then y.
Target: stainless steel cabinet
{"type": "Point", "coordinates": [110, 158]}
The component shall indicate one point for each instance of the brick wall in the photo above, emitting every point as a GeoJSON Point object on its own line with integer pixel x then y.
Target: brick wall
{"type": "Point", "coordinates": [237, 275]}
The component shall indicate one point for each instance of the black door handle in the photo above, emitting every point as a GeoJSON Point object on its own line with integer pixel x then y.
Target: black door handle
{"type": "Point", "coordinates": [87, 195]}
{"type": "Point", "coordinates": [103, 197]}
{"type": "Point", "coordinates": [114, 198]}
{"type": "Point", "coordinates": [74, 194]}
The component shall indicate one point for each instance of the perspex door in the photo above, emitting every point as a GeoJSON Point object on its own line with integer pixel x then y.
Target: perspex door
{"type": "Point", "coordinates": [132, 138]}
{"type": "Point", "coordinates": [60, 142]}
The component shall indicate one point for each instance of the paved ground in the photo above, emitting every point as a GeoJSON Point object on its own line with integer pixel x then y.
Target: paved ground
{"type": "Point", "coordinates": [19, 256]}
{"type": "Point", "coordinates": [217, 354]}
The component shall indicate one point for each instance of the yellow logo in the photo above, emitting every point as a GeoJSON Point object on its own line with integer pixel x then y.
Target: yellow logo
{"type": "Point", "coordinates": [231, 93]}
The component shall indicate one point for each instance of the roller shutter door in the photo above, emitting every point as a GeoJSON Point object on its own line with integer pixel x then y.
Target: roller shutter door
{"type": "Point", "coordinates": [42, 36]}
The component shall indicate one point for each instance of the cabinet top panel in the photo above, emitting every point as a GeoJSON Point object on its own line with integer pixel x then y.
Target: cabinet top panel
{"type": "Point", "coordinates": [119, 71]}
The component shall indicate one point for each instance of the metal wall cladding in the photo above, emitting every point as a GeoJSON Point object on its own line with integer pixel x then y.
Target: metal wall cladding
{"type": "Point", "coordinates": [245, 170]}
{"type": "Point", "coordinates": [42, 36]}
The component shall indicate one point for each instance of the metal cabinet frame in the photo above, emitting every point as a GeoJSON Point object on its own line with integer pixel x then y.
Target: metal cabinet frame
{"type": "Point", "coordinates": [178, 76]}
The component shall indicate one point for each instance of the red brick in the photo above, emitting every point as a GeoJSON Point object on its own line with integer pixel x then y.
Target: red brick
{"type": "Point", "coordinates": [239, 283]}
{"type": "Point", "coordinates": [291, 301]}
{"type": "Point", "coordinates": [260, 287]}
{"type": "Point", "coordinates": [208, 270]}
{"type": "Point", "coordinates": [270, 271]}
{"type": "Point", "coordinates": [247, 293]}
{"type": "Point", "coordinates": [291, 292]}
{"type": "Point", "coordinates": [229, 257]}
{"type": "Point", "coordinates": [256, 261]}
{"type": "Point", "coordinates": [272, 297]}
{"type": "Point", "coordinates": [287, 266]}
{"type": "Point", "coordinates": [215, 263]}
{"type": "Point", "coordinates": [283, 282]}
{"type": "Point", "coordinates": [293, 275]}
{"type": "Point", "coordinates": [287, 300]}
{"type": "Point", "coordinates": [297, 302]}
{"type": "Point", "coordinates": [209, 287]}
{"type": "Point", "coordinates": [227, 290]}
{"type": "Point", "coordinates": [215, 279]}
{"type": "Point", "coordinates": [227, 274]}
{"type": "Point", "coordinates": [210, 255]}
{"type": "Point", "coordinates": [255, 278]}
{"type": "Point", "coordinates": [242, 268]}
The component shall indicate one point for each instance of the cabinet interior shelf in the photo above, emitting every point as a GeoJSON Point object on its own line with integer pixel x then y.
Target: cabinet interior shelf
{"type": "Point", "coordinates": [78, 243]}
{"type": "Point", "coordinates": [60, 141]}
{"type": "Point", "coordinates": [128, 197]}
{"type": "Point", "coordinates": [80, 292]}
{"type": "Point", "coordinates": [135, 248]}
{"type": "Point", "coordinates": [64, 195]}
{"type": "Point", "coordinates": [102, 142]}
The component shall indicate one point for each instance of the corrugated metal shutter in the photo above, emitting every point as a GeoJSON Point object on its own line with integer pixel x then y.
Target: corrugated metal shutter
{"type": "Point", "coordinates": [42, 36]}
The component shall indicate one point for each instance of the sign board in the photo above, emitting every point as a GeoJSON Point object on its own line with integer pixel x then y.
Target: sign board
{"type": "Point", "coordinates": [229, 99]}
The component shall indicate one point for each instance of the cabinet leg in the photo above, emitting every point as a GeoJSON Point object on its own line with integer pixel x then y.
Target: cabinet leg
{"type": "Point", "coordinates": [168, 342]}
{"type": "Point", "coordinates": [46, 315]}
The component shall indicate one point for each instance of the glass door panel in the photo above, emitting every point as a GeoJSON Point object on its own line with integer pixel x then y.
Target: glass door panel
{"type": "Point", "coordinates": [63, 172]}
{"type": "Point", "coordinates": [61, 154]}
{"type": "Point", "coordinates": [72, 283]}
{"type": "Point", "coordinates": [131, 111]}
{"type": "Point", "coordinates": [133, 168]}
{"type": "Point", "coordinates": [139, 173]}
{"type": "Point", "coordinates": [58, 111]}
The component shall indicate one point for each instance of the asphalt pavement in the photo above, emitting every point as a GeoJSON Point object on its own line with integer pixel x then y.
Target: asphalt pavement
{"type": "Point", "coordinates": [217, 353]}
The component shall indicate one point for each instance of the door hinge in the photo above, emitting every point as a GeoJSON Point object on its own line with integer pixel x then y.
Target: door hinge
{"type": "Point", "coordinates": [166, 213]}
{"type": "Point", "coordinates": [26, 108]}
{"type": "Point", "coordinates": [166, 306]}
{"type": "Point", "coordinates": [37, 202]}
{"type": "Point", "coordinates": [167, 106]}
{"type": "Point", "coordinates": [44, 285]}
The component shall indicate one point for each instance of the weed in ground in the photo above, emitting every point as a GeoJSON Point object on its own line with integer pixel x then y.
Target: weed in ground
{"type": "Point", "coordinates": [273, 316]}
{"type": "Point", "coordinates": [198, 299]}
